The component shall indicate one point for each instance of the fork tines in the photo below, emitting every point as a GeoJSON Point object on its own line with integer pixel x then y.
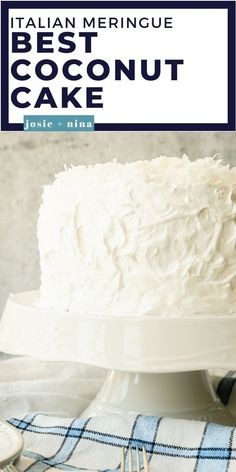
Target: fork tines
{"type": "Point", "coordinates": [141, 460]}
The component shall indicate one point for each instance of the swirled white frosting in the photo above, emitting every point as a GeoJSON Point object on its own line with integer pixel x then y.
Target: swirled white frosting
{"type": "Point", "coordinates": [144, 238]}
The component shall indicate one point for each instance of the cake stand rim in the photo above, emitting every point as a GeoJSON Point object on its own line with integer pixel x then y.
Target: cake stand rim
{"type": "Point", "coordinates": [13, 297]}
{"type": "Point", "coordinates": [121, 343]}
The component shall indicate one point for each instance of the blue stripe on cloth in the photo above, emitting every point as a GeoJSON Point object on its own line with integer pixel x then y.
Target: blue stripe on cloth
{"type": "Point", "coordinates": [54, 430]}
{"type": "Point", "coordinates": [145, 429]}
{"type": "Point", "coordinates": [154, 438]}
{"type": "Point", "coordinates": [127, 443]}
{"type": "Point", "coordinates": [38, 466]}
{"type": "Point", "coordinates": [215, 434]}
{"type": "Point", "coordinates": [65, 450]}
{"type": "Point", "coordinates": [173, 451]}
{"type": "Point", "coordinates": [199, 449]}
{"type": "Point", "coordinates": [68, 445]}
{"type": "Point", "coordinates": [25, 422]}
{"type": "Point", "coordinates": [107, 439]}
{"type": "Point", "coordinates": [138, 431]}
{"type": "Point", "coordinates": [231, 443]}
{"type": "Point", "coordinates": [38, 457]}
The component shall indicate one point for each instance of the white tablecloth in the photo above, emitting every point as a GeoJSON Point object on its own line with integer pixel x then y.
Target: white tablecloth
{"type": "Point", "coordinates": [54, 388]}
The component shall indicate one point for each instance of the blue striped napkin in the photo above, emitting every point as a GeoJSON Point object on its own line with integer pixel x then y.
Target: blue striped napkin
{"type": "Point", "coordinates": [95, 444]}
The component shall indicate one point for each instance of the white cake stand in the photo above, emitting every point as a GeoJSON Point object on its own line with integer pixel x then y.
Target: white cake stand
{"type": "Point", "coordinates": [156, 366]}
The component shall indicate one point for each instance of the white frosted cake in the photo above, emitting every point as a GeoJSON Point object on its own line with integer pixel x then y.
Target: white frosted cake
{"type": "Point", "coordinates": [144, 238]}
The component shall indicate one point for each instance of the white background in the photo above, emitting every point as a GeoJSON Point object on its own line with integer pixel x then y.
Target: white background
{"type": "Point", "coordinates": [199, 96]}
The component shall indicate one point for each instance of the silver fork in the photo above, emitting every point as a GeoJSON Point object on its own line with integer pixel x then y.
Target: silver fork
{"type": "Point", "coordinates": [139, 453]}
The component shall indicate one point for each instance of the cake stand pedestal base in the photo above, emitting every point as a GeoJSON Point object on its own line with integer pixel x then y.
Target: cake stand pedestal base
{"type": "Point", "coordinates": [187, 395]}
